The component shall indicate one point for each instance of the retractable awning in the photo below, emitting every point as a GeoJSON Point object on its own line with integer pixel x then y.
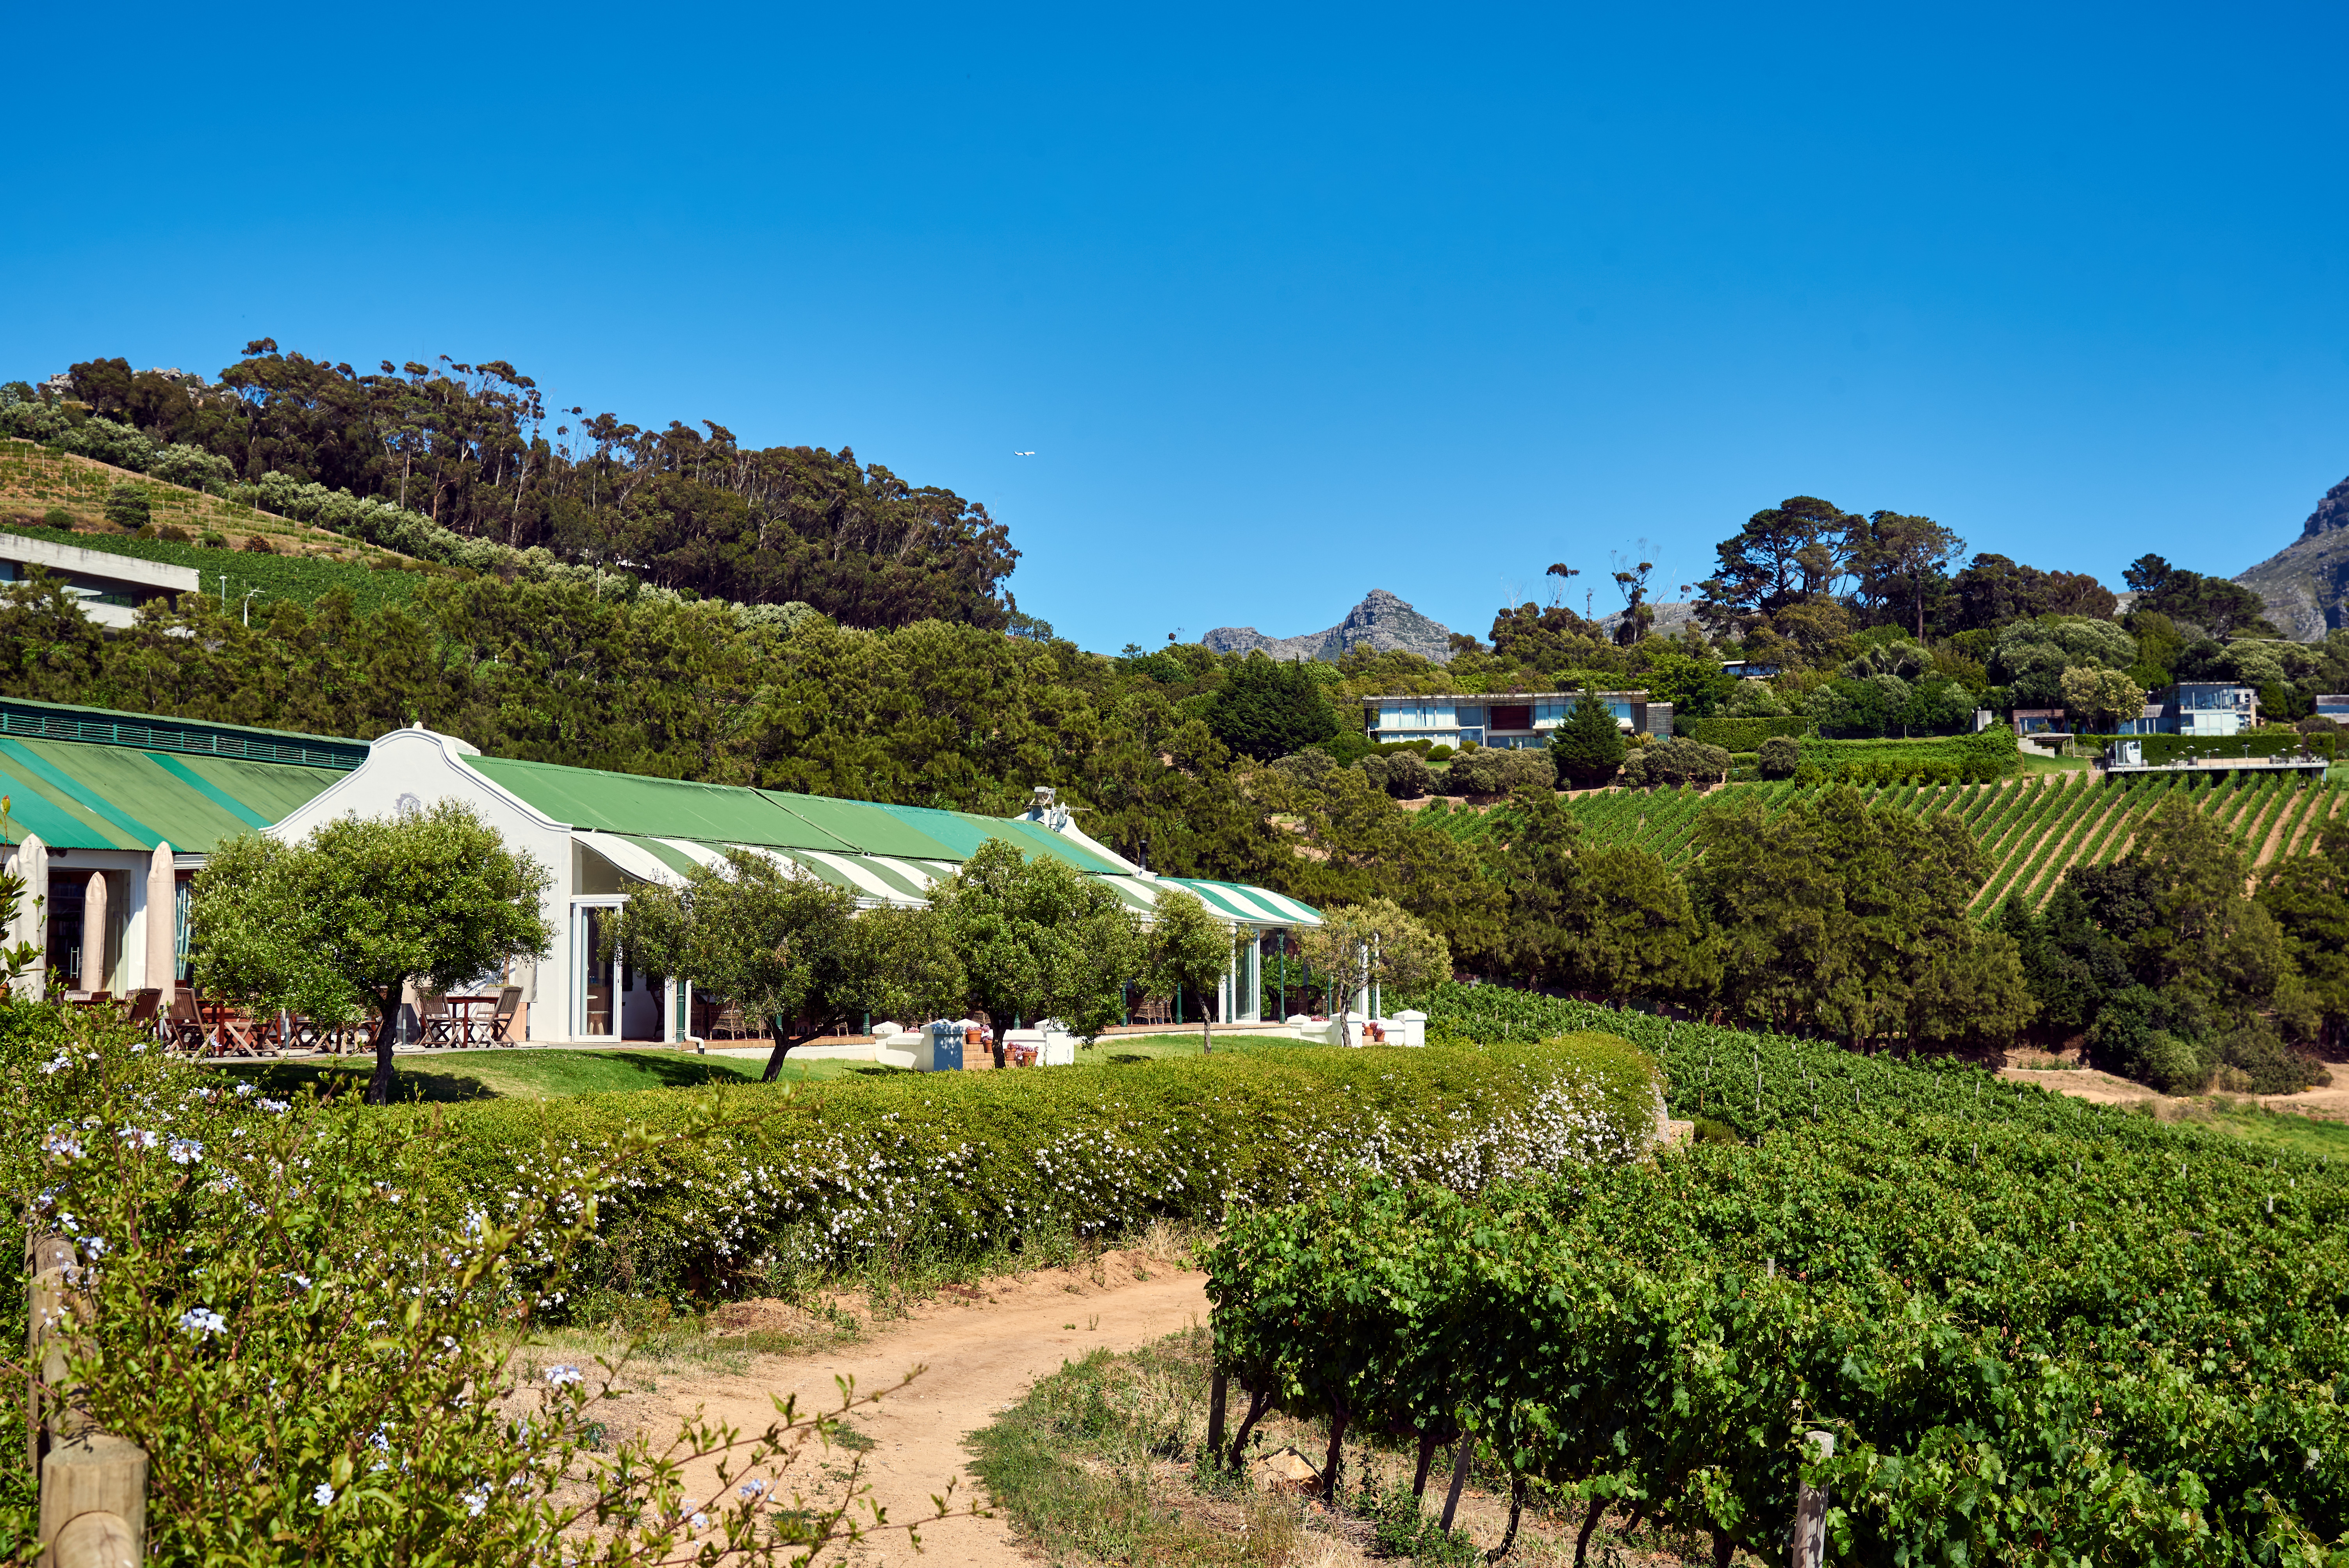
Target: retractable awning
{"type": "Point", "coordinates": [874, 879]}
{"type": "Point", "coordinates": [900, 879]}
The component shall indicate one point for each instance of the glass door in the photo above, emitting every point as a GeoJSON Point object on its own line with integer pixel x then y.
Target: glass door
{"type": "Point", "coordinates": [595, 992]}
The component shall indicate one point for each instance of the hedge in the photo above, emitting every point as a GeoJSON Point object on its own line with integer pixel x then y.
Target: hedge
{"type": "Point", "coordinates": [1955, 758]}
{"type": "Point", "coordinates": [2262, 743]}
{"type": "Point", "coordinates": [749, 1188]}
{"type": "Point", "coordinates": [1735, 735]}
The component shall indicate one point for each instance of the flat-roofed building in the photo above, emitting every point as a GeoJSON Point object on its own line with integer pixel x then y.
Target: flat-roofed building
{"type": "Point", "coordinates": [1504, 721]}
{"type": "Point", "coordinates": [110, 587]}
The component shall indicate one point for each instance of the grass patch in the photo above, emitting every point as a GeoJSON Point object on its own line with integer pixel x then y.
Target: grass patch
{"type": "Point", "coordinates": [2281, 1130]}
{"type": "Point", "coordinates": [524, 1073]}
{"type": "Point", "coordinates": [1093, 1461]}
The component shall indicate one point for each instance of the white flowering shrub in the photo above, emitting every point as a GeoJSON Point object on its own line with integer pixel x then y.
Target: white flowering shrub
{"type": "Point", "coordinates": [827, 1178]}
{"type": "Point", "coordinates": [323, 1347]}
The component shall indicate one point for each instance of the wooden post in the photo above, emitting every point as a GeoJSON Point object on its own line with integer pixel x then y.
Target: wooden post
{"type": "Point", "coordinates": [94, 1503]}
{"type": "Point", "coordinates": [1216, 1389]}
{"type": "Point", "coordinates": [93, 1484]}
{"type": "Point", "coordinates": [1811, 1510]}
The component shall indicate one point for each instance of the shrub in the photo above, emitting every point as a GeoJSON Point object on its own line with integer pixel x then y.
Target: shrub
{"type": "Point", "coordinates": [258, 545]}
{"type": "Point", "coordinates": [1439, 752]}
{"type": "Point", "coordinates": [57, 517]}
{"type": "Point", "coordinates": [1779, 757]}
{"type": "Point", "coordinates": [173, 532]}
{"type": "Point", "coordinates": [125, 506]}
{"type": "Point", "coordinates": [1408, 775]}
{"type": "Point", "coordinates": [1478, 772]}
{"type": "Point", "coordinates": [312, 1334]}
{"type": "Point", "coordinates": [812, 1179]}
{"type": "Point", "coordinates": [1527, 768]}
{"type": "Point", "coordinates": [212, 537]}
{"type": "Point", "coordinates": [1675, 762]}
{"type": "Point", "coordinates": [1737, 733]}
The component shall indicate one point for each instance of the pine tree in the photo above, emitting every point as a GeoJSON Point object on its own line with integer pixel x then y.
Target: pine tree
{"type": "Point", "coordinates": [1588, 747]}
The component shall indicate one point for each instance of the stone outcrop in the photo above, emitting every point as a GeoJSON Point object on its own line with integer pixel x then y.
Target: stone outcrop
{"type": "Point", "coordinates": [2306, 584]}
{"type": "Point", "coordinates": [1380, 621]}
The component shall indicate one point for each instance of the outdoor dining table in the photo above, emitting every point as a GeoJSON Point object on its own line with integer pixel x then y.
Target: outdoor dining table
{"type": "Point", "coordinates": [473, 1015]}
{"type": "Point", "coordinates": [231, 1029]}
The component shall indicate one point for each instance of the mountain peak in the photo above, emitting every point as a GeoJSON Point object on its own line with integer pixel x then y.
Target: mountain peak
{"type": "Point", "coordinates": [1382, 620]}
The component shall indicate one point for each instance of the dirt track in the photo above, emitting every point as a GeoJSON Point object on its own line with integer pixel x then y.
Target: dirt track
{"type": "Point", "coordinates": [2331, 1104]}
{"type": "Point", "coordinates": [981, 1351]}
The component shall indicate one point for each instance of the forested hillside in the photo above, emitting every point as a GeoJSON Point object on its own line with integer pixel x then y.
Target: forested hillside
{"type": "Point", "coordinates": [480, 470]}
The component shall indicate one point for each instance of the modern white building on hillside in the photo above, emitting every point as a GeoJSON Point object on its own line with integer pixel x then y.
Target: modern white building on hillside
{"type": "Point", "coordinates": [110, 587]}
{"type": "Point", "coordinates": [1516, 720]}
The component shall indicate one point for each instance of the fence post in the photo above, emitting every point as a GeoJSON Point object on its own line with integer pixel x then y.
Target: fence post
{"type": "Point", "coordinates": [1811, 1510]}
{"type": "Point", "coordinates": [93, 1484]}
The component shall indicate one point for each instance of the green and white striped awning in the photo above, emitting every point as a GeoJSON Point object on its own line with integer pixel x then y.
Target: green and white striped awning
{"type": "Point", "coordinates": [900, 879]}
{"type": "Point", "coordinates": [874, 879]}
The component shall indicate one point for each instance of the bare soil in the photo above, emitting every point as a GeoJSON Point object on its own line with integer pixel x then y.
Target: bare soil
{"type": "Point", "coordinates": [976, 1348]}
{"type": "Point", "coordinates": [2330, 1104]}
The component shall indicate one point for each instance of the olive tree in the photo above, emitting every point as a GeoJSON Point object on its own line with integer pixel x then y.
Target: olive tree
{"type": "Point", "coordinates": [788, 949]}
{"type": "Point", "coordinates": [1187, 946]}
{"type": "Point", "coordinates": [1377, 943]}
{"type": "Point", "coordinates": [340, 923]}
{"type": "Point", "coordinates": [1039, 939]}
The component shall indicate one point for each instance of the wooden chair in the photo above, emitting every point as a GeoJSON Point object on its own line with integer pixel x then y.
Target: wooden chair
{"type": "Point", "coordinates": [439, 1026]}
{"type": "Point", "coordinates": [501, 1021]}
{"type": "Point", "coordinates": [145, 1004]}
{"type": "Point", "coordinates": [182, 1024]}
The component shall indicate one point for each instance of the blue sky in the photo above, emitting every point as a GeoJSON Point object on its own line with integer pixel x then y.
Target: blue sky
{"type": "Point", "coordinates": [1289, 302]}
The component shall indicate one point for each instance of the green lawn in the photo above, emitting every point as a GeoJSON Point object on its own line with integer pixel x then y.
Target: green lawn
{"type": "Point", "coordinates": [536, 1074]}
{"type": "Point", "coordinates": [526, 1074]}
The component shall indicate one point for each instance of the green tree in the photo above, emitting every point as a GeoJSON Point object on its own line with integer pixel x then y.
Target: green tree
{"type": "Point", "coordinates": [1187, 947]}
{"type": "Point", "coordinates": [127, 506]}
{"type": "Point", "coordinates": [2094, 698]}
{"type": "Point", "coordinates": [1588, 747]}
{"type": "Point", "coordinates": [1039, 939]}
{"type": "Point", "coordinates": [1836, 914]}
{"type": "Point", "coordinates": [1796, 550]}
{"type": "Point", "coordinates": [1264, 709]}
{"type": "Point", "coordinates": [786, 949]}
{"type": "Point", "coordinates": [1903, 565]}
{"type": "Point", "coordinates": [336, 926]}
{"type": "Point", "coordinates": [1357, 946]}
{"type": "Point", "coordinates": [1695, 686]}
{"type": "Point", "coordinates": [2307, 896]}
{"type": "Point", "coordinates": [1632, 932]}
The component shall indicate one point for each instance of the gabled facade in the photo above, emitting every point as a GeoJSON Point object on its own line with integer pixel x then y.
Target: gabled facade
{"type": "Point", "coordinates": [605, 834]}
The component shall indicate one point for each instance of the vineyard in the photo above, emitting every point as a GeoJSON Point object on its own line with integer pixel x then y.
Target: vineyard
{"type": "Point", "coordinates": [2030, 828]}
{"type": "Point", "coordinates": [2038, 1331]}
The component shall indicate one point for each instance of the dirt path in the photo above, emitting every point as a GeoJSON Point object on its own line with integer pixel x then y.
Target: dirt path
{"type": "Point", "coordinates": [981, 1351]}
{"type": "Point", "coordinates": [2330, 1104]}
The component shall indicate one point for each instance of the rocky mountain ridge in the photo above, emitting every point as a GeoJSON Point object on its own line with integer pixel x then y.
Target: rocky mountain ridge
{"type": "Point", "coordinates": [1381, 621]}
{"type": "Point", "coordinates": [2306, 583]}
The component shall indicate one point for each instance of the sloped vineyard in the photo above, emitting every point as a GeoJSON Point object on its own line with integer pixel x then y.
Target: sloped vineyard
{"type": "Point", "coordinates": [2041, 1332]}
{"type": "Point", "coordinates": [2030, 829]}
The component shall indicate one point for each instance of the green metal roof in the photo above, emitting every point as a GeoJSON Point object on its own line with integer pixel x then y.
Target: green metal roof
{"type": "Point", "coordinates": [152, 732]}
{"type": "Point", "coordinates": [80, 796]}
{"type": "Point", "coordinates": [656, 808]}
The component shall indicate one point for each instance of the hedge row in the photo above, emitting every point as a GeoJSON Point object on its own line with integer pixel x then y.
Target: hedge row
{"type": "Point", "coordinates": [1735, 735]}
{"type": "Point", "coordinates": [748, 1188]}
{"type": "Point", "coordinates": [1987, 754]}
{"type": "Point", "coordinates": [2261, 743]}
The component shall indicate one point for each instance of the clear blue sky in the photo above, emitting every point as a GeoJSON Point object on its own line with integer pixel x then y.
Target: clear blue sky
{"type": "Point", "coordinates": [1289, 302]}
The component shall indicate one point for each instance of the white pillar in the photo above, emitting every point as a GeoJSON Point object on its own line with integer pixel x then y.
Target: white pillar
{"type": "Point", "coordinates": [162, 922]}
{"type": "Point", "coordinates": [93, 933]}
{"type": "Point", "coordinates": [31, 862]}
